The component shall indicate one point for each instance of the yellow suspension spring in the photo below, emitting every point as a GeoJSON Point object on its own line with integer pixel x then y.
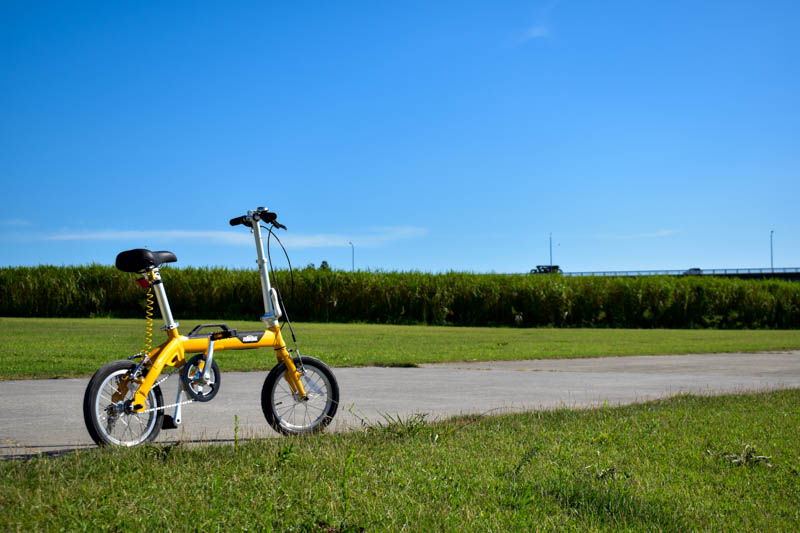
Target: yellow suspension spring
{"type": "Point", "coordinates": [148, 316]}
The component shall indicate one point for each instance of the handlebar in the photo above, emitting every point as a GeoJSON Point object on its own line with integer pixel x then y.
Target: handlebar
{"type": "Point", "coordinates": [261, 214]}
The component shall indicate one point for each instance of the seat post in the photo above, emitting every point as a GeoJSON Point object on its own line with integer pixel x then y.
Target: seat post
{"type": "Point", "coordinates": [154, 277]}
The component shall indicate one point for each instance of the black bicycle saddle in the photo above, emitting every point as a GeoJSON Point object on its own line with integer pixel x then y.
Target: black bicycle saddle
{"type": "Point", "coordinates": [142, 259]}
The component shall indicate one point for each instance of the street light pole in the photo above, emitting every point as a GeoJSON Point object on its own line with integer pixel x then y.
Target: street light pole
{"type": "Point", "coordinates": [352, 257]}
{"type": "Point", "coordinates": [771, 264]}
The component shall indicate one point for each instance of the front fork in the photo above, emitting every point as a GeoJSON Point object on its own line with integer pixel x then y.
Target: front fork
{"type": "Point", "coordinates": [292, 375]}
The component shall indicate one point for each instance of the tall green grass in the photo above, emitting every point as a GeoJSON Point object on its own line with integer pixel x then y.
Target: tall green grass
{"type": "Point", "coordinates": [452, 298]}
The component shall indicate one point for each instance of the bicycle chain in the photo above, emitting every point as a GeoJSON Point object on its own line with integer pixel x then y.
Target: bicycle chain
{"type": "Point", "coordinates": [165, 377]}
{"type": "Point", "coordinates": [159, 382]}
{"type": "Point", "coordinates": [152, 409]}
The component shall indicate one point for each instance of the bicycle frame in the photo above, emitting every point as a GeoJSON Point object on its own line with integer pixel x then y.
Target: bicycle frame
{"type": "Point", "coordinates": [172, 353]}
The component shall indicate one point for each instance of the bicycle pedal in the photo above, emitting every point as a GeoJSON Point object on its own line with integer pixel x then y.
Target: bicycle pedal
{"type": "Point", "coordinates": [169, 423]}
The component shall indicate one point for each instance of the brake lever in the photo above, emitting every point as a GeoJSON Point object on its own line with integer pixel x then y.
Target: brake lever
{"type": "Point", "coordinates": [278, 225]}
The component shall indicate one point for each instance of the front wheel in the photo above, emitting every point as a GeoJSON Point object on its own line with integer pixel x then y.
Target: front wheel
{"type": "Point", "coordinates": [106, 411]}
{"type": "Point", "coordinates": [291, 416]}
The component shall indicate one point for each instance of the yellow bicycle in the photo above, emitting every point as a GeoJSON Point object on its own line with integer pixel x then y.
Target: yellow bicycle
{"type": "Point", "coordinates": [123, 404]}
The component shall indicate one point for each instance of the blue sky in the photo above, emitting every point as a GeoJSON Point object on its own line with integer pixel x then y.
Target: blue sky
{"type": "Point", "coordinates": [433, 135]}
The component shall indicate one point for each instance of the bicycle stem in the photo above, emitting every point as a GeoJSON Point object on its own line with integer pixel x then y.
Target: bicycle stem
{"type": "Point", "coordinates": [271, 315]}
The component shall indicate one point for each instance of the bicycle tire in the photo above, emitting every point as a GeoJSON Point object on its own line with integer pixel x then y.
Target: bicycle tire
{"type": "Point", "coordinates": [290, 416]}
{"type": "Point", "coordinates": [138, 427]}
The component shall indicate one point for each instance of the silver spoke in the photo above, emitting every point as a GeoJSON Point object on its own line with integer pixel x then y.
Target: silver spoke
{"type": "Point", "coordinates": [295, 416]}
{"type": "Point", "coordinates": [126, 429]}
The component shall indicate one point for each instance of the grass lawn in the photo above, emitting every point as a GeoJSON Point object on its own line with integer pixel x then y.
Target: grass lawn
{"type": "Point", "coordinates": [51, 348]}
{"type": "Point", "coordinates": [726, 463]}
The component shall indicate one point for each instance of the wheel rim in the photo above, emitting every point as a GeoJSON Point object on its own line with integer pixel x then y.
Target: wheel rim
{"type": "Point", "coordinates": [300, 416]}
{"type": "Point", "coordinates": [124, 429]}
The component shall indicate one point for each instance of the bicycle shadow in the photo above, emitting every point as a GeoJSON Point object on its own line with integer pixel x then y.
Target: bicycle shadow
{"type": "Point", "coordinates": [22, 452]}
{"type": "Point", "coordinates": [27, 452]}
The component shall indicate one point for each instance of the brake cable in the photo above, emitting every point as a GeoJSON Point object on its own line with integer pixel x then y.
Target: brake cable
{"type": "Point", "coordinates": [275, 280]}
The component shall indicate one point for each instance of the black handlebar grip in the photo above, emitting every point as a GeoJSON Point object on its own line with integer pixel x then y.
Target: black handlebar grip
{"type": "Point", "coordinates": [238, 220]}
{"type": "Point", "coordinates": [268, 216]}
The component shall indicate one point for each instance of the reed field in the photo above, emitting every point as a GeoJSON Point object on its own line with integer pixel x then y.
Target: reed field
{"type": "Point", "coordinates": [454, 298]}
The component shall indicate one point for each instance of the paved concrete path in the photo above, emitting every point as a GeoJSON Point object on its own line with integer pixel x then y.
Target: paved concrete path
{"type": "Point", "coordinates": [45, 415]}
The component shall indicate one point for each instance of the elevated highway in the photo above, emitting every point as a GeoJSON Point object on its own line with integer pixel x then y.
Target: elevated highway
{"type": "Point", "coordinates": [790, 274]}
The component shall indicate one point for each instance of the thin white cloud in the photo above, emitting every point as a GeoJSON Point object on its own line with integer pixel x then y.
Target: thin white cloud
{"type": "Point", "coordinates": [375, 237]}
{"type": "Point", "coordinates": [372, 238]}
{"type": "Point", "coordinates": [537, 31]}
{"type": "Point", "coordinates": [16, 223]}
{"type": "Point", "coordinates": [387, 234]}
{"type": "Point", "coordinates": [223, 237]}
{"type": "Point", "coordinates": [541, 27]}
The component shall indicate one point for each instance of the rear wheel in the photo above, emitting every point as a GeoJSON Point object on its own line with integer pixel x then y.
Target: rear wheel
{"type": "Point", "coordinates": [106, 411]}
{"type": "Point", "coordinates": [292, 416]}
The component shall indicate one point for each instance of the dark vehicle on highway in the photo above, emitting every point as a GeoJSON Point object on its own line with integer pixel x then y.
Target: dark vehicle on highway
{"type": "Point", "coordinates": [546, 269]}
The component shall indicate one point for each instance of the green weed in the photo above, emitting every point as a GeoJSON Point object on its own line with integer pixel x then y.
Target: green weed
{"type": "Point", "coordinates": [638, 467]}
